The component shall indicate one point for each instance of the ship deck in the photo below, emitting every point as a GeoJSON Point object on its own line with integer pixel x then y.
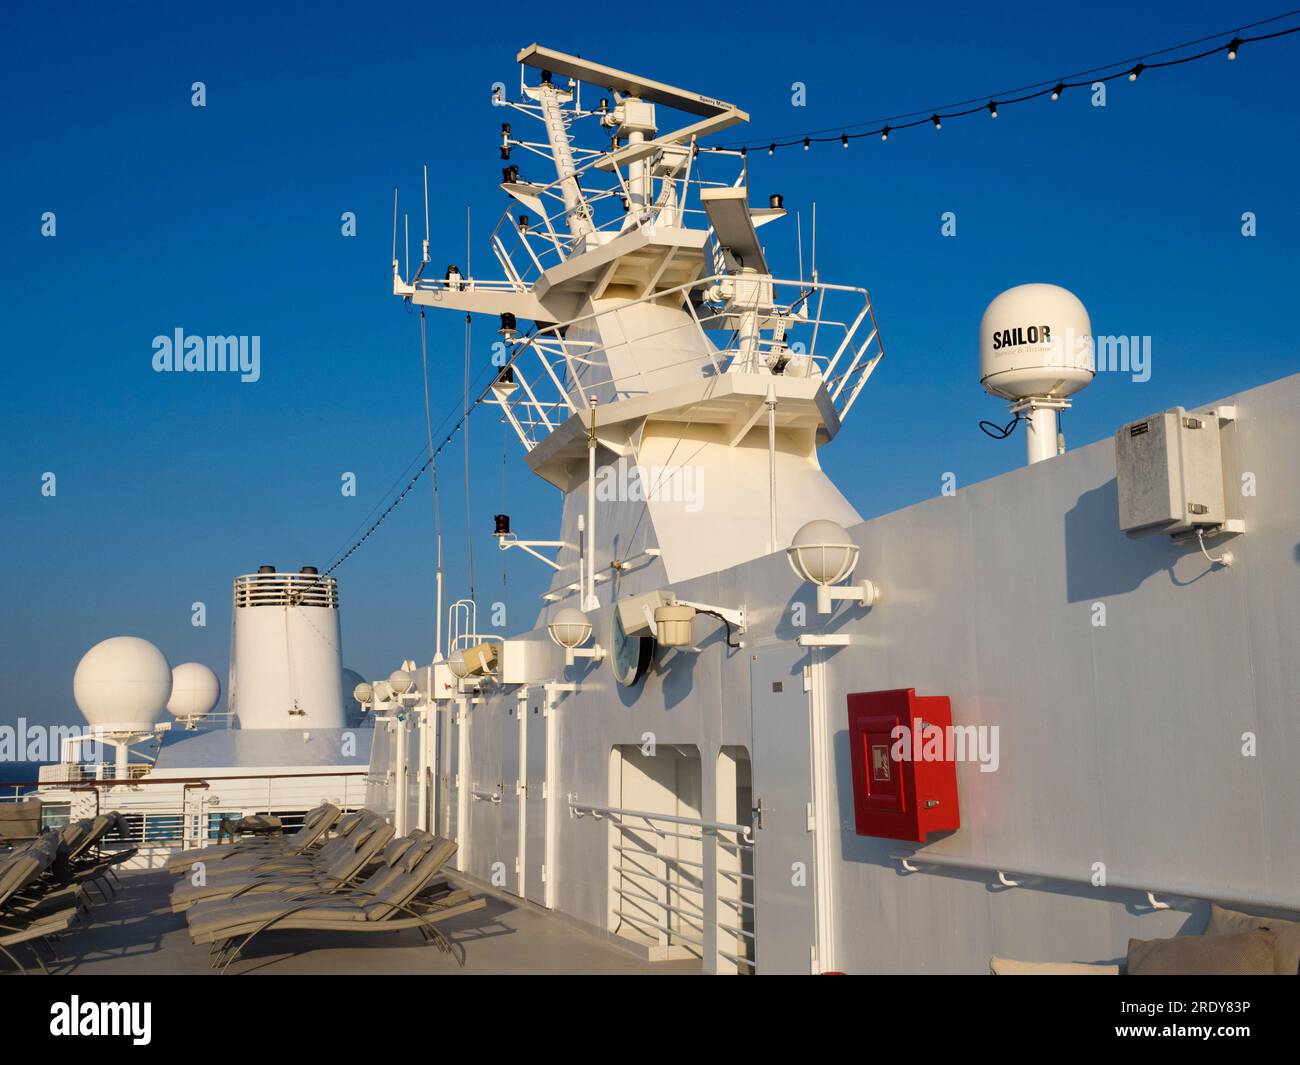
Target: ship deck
{"type": "Point", "coordinates": [136, 933]}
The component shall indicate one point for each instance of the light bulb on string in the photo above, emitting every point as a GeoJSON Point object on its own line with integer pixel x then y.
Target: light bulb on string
{"type": "Point", "coordinates": [1233, 45]}
{"type": "Point", "coordinates": [1056, 93]}
{"type": "Point", "coordinates": [1136, 72]}
{"type": "Point", "coordinates": [844, 140]}
{"type": "Point", "coordinates": [993, 109]}
{"type": "Point", "coordinates": [884, 134]}
{"type": "Point", "coordinates": [806, 144]}
{"type": "Point", "coordinates": [937, 123]}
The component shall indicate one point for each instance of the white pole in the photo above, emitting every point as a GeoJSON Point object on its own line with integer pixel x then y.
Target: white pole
{"type": "Point", "coordinates": [1040, 435]}
{"type": "Point", "coordinates": [399, 774]}
{"type": "Point", "coordinates": [590, 594]}
{"type": "Point", "coordinates": [422, 810]}
{"type": "Point", "coordinates": [771, 468]}
{"type": "Point", "coordinates": [437, 638]}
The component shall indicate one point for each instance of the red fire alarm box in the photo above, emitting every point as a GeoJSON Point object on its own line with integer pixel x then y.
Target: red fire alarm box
{"type": "Point", "coordinates": [904, 764]}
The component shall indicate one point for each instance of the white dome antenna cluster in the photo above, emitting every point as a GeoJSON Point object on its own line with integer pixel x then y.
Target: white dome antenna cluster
{"type": "Point", "coordinates": [122, 685]}
{"type": "Point", "coordinates": [195, 693]}
{"type": "Point", "coordinates": [1036, 350]}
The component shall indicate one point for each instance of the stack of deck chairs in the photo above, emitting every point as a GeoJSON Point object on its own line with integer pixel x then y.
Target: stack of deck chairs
{"type": "Point", "coordinates": [48, 883]}
{"type": "Point", "coordinates": [338, 873]}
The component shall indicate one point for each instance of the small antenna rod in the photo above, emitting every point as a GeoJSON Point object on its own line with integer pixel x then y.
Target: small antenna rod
{"type": "Point", "coordinates": [814, 242]}
{"type": "Point", "coordinates": [406, 230]}
{"type": "Point", "coordinates": [798, 233]}
{"type": "Point", "coordinates": [394, 226]}
{"type": "Point", "coordinates": [426, 212]}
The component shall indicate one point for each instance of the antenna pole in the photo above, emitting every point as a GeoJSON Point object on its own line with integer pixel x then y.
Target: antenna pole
{"type": "Point", "coordinates": [575, 204]}
{"type": "Point", "coordinates": [798, 232]}
{"type": "Point", "coordinates": [437, 639]}
{"type": "Point", "coordinates": [814, 242]}
{"type": "Point", "coordinates": [394, 229]}
{"type": "Point", "coordinates": [425, 257]}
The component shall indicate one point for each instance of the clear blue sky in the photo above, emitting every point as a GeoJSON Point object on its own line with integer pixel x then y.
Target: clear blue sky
{"type": "Point", "coordinates": [226, 219]}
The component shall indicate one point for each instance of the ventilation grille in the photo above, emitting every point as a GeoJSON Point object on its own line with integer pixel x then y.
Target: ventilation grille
{"type": "Point", "coordinates": [286, 589]}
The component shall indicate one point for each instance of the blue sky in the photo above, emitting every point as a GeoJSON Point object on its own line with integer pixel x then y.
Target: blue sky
{"type": "Point", "coordinates": [226, 219]}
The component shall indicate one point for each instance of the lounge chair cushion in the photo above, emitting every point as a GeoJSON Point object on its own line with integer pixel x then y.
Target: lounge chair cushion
{"type": "Point", "coordinates": [1238, 954]}
{"type": "Point", "coordinates": [1286, 957]}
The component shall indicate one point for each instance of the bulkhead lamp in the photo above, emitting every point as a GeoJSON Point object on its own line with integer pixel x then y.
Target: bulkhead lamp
{"type": "Point", "coordinates": [823, 554]}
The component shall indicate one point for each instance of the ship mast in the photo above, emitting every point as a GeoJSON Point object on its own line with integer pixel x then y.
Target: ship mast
{"type": "Point", "coordinates": [551, 101]}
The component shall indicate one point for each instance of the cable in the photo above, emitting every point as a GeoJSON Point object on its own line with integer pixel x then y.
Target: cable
{"type": "Point", "coordinates": [345, 555]}
{"type": "Point", "coordinates": [1000, 432]}
{"type": "Point", "coordinates": [991, 103]}
{"type": "Point", "coordinates": [714, 613]}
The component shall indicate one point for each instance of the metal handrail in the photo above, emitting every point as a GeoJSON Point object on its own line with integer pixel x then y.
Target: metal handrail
{"type": "Point", "coordinates": [912, 863]}
{"type": "Point", "coordinates": [580, 808]}
{"type": "Point", "coordinates": [567, 379]}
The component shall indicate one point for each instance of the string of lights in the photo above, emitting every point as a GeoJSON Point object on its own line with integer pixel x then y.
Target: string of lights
{"type": "Point", "coordinates": [1132, 69]}
{"type": "Point", "coordinates": [432, 455]}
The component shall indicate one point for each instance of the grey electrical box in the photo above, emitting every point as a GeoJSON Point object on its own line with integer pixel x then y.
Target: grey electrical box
{"type": "Point", "coordinates": [1170, 473]}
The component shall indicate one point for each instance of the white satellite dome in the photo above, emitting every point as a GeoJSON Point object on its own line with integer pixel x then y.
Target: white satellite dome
{"type": "Point", "coordinates": [1036, 342]}
{"type": "Point", "coordinates": [195, 691]}
{"type": "Point", "coordinates": [122, 684]}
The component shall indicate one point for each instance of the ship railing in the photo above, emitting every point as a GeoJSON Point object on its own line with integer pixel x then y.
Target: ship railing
{"type": "Point", "coordinates": [286, 589]}
{"type": "Point", "coordinates": [804, 329]}
{"type": "Point", "coordinates": [526, 249]}
{"type": "Point", "coordinates": [175, 811]}
{"type": "Point", "coordinates": [1011, 875]}
{"type": "Point", "coordinates": [660, 876]}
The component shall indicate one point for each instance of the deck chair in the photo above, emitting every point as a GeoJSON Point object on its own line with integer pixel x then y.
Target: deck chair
{"type": "Point", "coordinates": [80, 859]}
{"type": "Point", "coordinates": [328, 873]}
{"type": "Point", "coordinates": [29, 935]}
{"type": "Point", "coordinates": [315, 824]}
{"type": "Point", "coordinates": [26, 892]}
{"type": "Point", "coordinates": [387, 901]}
{"type": "Point", "coordinates": [269, 860]}
{"type": "Point", "coordinates": [26, 865]}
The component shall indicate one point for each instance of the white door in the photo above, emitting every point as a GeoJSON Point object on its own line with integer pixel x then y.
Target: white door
{"type": "Point", "coordinates": [785, 888]}
{"type": "Point", "coordinates": [536, 799]}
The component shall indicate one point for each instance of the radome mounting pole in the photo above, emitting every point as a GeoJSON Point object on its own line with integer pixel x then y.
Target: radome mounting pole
{"type": "Point", "coordinates": [1041, 434]}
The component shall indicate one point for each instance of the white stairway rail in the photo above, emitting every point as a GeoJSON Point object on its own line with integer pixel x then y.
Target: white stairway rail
{"type": "Point", "coordinates": [661, 893]}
